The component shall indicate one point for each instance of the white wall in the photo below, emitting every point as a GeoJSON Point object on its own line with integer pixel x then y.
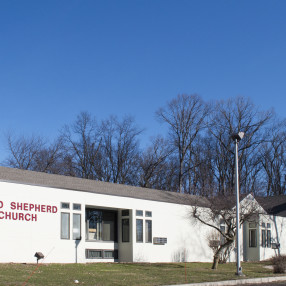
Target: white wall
{"type": "Point", "coordinates": [21, 239]}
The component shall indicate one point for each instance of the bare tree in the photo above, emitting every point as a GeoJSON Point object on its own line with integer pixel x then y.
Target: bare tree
{"type": "Point", "coordinates": [120, 150]}
{"type": "Point", "coordinates": [220, 216]}
{"type": "Point", "coordinates": [34, 153]}
{"type": "Point", "coordinates": [185, 117]}
{"type": "Point", "coordinates": [273, 159]}
{"type": "Point", "coordinates": [155, 166]}
{"type": "Point", "coordinates": [235, 115]}
{"type": "Point", "coordinates": [201, 180]}
{"type": "Point", "coordinates": [82, 143]}
{"type": "Point", "coordinates": [49, 158]}
{"type": "Point", "coordinates": [23, 151]}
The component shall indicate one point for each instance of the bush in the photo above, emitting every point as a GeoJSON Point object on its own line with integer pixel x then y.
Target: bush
{"type": "Point", "coordinates": [279, 264]}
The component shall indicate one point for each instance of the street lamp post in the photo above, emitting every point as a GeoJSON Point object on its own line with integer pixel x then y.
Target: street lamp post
{"type": "Point", "coordinates": [237, 137]}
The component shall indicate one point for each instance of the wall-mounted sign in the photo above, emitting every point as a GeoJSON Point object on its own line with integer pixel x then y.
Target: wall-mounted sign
{"type": "Point", "coordinates": [28, 211]}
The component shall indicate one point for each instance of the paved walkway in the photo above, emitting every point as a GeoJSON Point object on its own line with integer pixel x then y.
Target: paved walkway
{"type": "Point", "coordinates": [238, 282]}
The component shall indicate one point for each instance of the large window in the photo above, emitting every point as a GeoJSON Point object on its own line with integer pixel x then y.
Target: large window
{"type": "Point", "coordinates": [101, 225]}
{"type": "Point", "coordinates": [148, 230]}
{"type": "Point", "coordinates": [65, 226]}
{"type": "Point", "coordinates": [139, 230]}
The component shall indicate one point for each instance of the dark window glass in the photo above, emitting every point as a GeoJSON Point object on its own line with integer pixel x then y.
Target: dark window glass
{"type": "Point", "coordinates": [148, 214]}
{"type": "Point", "coordinates": [139, 213]}
{"type": "Point", "coordinates": [99, 253]}
{"type": "Point", "coordinates": [252, 238]}
{"type": "Point", "coordinates": [108, 254]}
{"type": "Point", "coordinates": [269, 238]}
{"type": "Point", "coordinates": [65, 205]}
{"type": "Point", "coordinates": [148, 230]}
{"type": "Point", "coordinates": [101, 225]}
{"type": "Point", "coordinates": [125, 213]}
{"type": "Point", "coordinates": [93, 253]}
{"type": "Point", "coordinates": [263, 238]}
{"type": "Point", "coordinates": [76, 207]}
{"type": "Point", "coordinates": [139, 230]}
{"type": "Point", "coordinates": [125, 230]}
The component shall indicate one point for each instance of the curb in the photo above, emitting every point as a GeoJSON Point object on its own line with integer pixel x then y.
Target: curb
{"type": "Point", "coordinates": [236, 282]}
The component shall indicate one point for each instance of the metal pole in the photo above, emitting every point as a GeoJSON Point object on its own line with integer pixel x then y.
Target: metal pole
{"type": "Point", "coordinates": [239, 269]}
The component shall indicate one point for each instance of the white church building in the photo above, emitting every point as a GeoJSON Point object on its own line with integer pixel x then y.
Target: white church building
{"type": "Point", "coordinates": [73, 220]}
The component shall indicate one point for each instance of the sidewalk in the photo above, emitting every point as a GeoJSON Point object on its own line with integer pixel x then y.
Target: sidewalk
{"type": "Point", "coordinates": [237, 282]}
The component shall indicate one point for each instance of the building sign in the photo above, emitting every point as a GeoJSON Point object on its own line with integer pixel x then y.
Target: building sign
{"type": "Point", "coordinates": [24, 211]}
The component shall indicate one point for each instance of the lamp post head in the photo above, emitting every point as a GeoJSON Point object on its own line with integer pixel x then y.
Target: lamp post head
{"type": "Point", "coordinates": [237, 136]}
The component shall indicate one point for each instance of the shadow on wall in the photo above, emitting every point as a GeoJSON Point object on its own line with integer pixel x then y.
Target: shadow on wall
{"type": "Point", "coordinates": [180, 255]}
{"type": "Point", "coordinates": [140, 257]}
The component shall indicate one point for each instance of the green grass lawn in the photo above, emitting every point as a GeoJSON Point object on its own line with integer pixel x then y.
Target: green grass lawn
{"type": "Point", "coordinates": [123, 273]}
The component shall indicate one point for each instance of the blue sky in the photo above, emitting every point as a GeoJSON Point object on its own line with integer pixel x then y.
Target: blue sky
{"type": "Point", "coordinates": [60, 57]}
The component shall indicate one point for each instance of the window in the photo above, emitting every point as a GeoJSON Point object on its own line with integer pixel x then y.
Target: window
{"type": "Point", "coordinates": [139, 230]}
{"type": "Point", "coordinates": [76, 226]}
{"type": "Point", "coordinates": [101, 225]}
{"type": "Point", "coordinates": [268, 238]}
{"type": "Point", "coordinates": [263, 238]}
{"type": "Point", "coordinates": [125, 230]}
{"type": "Point", "coordinates": [139, 213]}
{"type": "Point", "coordinates": [125, 213]}
{"type": "Point", "coordinates": [148, 214]}
{"type": "Point", "coordinates": [100, 253]}
{"type": "Point", "coordinates": [65, 205]}
{"type": "Point", "coordinates": [93, 253]}
{"type": "Point", "coordinates": [76, 207]}
{"type": "Point", "coordinates": [65, 226]}
{"type": "Point", "coordinates": [252, 238]}
{"type": "Point", "coordinates": [110, 254]}
{"type": "Point", "coordinates": [148, 230]}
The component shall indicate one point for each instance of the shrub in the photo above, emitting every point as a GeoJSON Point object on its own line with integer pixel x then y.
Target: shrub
{"type": "Point", "coordinates": [279, 264]}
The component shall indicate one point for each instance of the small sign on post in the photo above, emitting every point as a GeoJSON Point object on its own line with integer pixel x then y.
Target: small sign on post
{"type": "Point", "coordinates": [39, 255]}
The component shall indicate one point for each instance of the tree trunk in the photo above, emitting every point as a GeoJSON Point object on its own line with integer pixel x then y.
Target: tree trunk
{"type": "Point", "coordinates": [215, 262]}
